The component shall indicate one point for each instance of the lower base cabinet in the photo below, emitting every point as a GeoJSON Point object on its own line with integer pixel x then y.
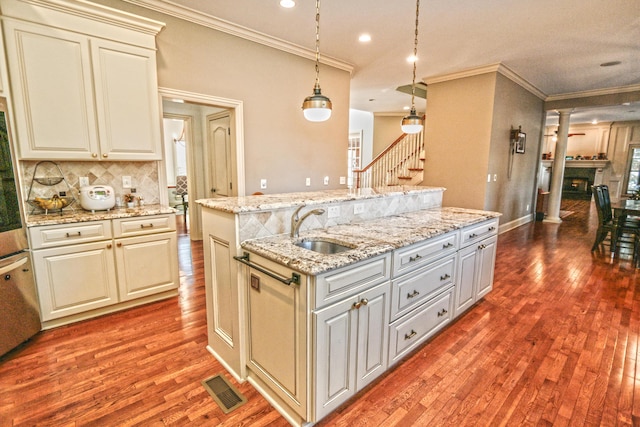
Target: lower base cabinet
{"type": "Point", "coordinates": [475, 273]}
{"type": "Point", "coordinates": [91, 268]}
{"type": "Point", "coordinates": [351, 341]}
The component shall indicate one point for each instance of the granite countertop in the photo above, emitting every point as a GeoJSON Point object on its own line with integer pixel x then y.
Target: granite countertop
{"type": "Point", "coordinates": [309, 198]}
{"type": "Point", "coordinates": [368, 238]}
{"type": "Point", "coordinates": [77, 214]}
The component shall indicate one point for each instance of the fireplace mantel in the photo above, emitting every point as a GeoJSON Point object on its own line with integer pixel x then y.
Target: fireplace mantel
{"type": "Point", "coordinates": [592, 164]}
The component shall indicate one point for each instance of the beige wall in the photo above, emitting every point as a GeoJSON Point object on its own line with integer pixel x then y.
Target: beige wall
{"type": "Point", "coordinates": [386, 129]}
{"type": "Point", "coordinates": [514, 106]}
{"type": "Point", "coordinates": [467, 139]}
{"type": "Point", "coordinates": [457, 138]}
{"type": "Point", "coordinates": [280, 145]}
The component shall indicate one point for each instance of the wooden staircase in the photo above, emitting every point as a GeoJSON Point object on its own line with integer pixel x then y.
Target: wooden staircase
{"type": "Point", "coordinates": [401, 163]}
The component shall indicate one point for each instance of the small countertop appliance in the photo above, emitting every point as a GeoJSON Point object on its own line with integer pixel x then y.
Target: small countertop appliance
{"type": "Point", "coordinates": [97, 197]}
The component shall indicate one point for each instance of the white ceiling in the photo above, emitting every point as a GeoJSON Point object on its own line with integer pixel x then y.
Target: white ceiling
{"type": "Point", "coordinates": [555, 45]}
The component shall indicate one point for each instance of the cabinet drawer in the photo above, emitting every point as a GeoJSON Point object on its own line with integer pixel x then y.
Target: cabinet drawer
{"type": "Point", "coordinates": [419, 254]}
{"type": "Point", "coordinates": [125, 227]}
{"type": "Point", "coordinates": [480, 231]}
{"type": "Point", "coordinates": [351, 279]}
{"type": "Point", "coordinates": [421, 285]}
{"type": "Point", "coordinates": [49, 236]}
{"type": "Point", "coordinates": [408, 332]}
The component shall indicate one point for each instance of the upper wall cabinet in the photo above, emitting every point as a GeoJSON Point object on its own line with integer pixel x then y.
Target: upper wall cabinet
{"type": "Point", "coordinates": [83, 96]}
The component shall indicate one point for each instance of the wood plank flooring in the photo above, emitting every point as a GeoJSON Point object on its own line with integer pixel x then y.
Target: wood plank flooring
{"type": "Point", "coordinates": [555, 343]}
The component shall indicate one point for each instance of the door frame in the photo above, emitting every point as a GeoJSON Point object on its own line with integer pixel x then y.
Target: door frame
{"type": "Point", "coordinates": [236, 111]}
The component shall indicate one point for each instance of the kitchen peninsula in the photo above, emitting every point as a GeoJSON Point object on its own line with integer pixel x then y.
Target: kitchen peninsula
{"type": "Point", "coordinates": [309, 329]}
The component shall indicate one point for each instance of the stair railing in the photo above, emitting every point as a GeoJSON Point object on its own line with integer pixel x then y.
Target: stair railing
{"type": "Point", "coordinates": [394, 163]}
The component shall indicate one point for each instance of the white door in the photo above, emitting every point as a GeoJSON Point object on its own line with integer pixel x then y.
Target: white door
{"type": "Point", "coordinates": [219, 156]}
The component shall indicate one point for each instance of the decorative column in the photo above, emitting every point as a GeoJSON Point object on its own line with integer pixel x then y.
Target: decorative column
{"type": "Point", "coordinates": [557, 174]}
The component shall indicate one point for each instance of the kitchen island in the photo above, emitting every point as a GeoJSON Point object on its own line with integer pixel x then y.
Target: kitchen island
{"type": "Point", "coordinates": [309, 329]}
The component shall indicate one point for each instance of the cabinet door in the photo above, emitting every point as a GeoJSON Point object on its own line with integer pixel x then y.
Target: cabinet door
{"type": "Point", "coordinates": [373, 334]}
{"type": "Point", "coordinates": [51, 81]}
{"type": "Point", "coordinates": [277, 318]}
{"type": "Point", "coordinates": [147, 265]}
{"type": "Point", "coordinates": [465, 294]}
{"type": "Point", "coordinates": [486, 263]}
{"type": "Point", "coordinates": [336, 350]}
{"type": "Point", "coordinates": [74, 279]}
{"type": "Point", "coordinates": [126, 92]}
{"type": "Point", "coordinates": [351, 346]}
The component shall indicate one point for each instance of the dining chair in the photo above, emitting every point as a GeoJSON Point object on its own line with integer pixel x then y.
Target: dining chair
{"type": "Point", "coordinates": [181, 190]}
{"type": "Point", "coordinates": [622, 233]}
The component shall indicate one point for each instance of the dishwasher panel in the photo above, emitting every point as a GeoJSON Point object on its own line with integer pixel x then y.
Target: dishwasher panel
{"type": "Point", "coordinates": [19, 310]}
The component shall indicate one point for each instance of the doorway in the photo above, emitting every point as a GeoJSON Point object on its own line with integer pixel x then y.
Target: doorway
{"type": "Point", "coordinates": [202, 141]}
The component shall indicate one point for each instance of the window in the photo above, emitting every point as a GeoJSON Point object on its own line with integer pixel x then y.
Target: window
{"type": "Point", "coordinates": [632, 177]}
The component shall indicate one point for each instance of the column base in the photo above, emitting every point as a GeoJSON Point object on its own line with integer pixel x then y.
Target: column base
{"type": "Point", "coordinates": [553, 220]}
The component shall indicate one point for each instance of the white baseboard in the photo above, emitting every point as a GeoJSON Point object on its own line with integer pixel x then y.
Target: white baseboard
{"type": "Point", "coordinates": [515, 223]}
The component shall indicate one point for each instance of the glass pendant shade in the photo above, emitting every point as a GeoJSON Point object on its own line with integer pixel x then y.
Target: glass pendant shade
{"type": "Point", "coordinates": [317, 107]}
{"type": "Point", "coordinates": [412, 123]}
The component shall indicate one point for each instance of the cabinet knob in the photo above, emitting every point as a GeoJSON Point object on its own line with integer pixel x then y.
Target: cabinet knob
{"type": "Point", "coordinates": [119, 244]}
{"type": "Point", "coordinates": [364, 301]}
{"type": "Point", "coordinates": [94, 155]}
{"type": "Point", "coordinates": [105, 155]}
{"type": "Point", "coordinates": [108, 245]}
{"type": "Point", "coordinates": [356, 305]}
{"type": "Point", "coordinates": [410, 335]}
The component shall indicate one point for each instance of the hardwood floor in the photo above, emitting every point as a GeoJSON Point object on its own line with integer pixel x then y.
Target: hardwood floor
{"type": "Point", "coordinates": [555, 343]}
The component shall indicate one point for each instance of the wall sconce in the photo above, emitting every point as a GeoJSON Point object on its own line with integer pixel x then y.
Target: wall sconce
{"type": "Point", "coordinates": [518, 139]}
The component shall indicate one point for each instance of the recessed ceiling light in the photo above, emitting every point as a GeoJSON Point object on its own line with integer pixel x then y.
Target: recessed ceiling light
{"type": "Point", "coordinates": [610, 63]}
{"type": "Point", "coordinates": [406, 107]}
{"type": "Point", "coordinates": [626, 103]}
{"type": "Point", "coordinates": [364, 38]}
{"type": "Point", "coordinates": [412, 58]}
{"type": "Point", "coordinates": [287, 3]}
{"type": "Point", "coordinates": [594, 122]}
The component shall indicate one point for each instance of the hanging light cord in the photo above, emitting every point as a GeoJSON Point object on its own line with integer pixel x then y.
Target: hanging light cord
{"type": "Point", "coordinates": [415, 57]}
{"type": "Point", "coordinates": [317, 43]}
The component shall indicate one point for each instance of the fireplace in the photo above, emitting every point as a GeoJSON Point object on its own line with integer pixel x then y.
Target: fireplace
{"type": "Point", "coordinates": [577, 183]}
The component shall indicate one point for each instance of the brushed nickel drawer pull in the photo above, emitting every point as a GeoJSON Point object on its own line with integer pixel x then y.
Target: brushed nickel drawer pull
{"type": "Point", "coordinates": [411, 335]}
{"type": "Point", "coordinates": [445, 277]}
{"type": "Point", "coordinates": [472, 235]}
{"type": "Point", "coordinates": [442, 313]}
{"type": "Point", "coordinates": [491, 228]}
{"type": "Point", "coordinates": [415, 258]}
{"type": "Point", "coordinates": [77, 234]}
{"type": "Point", "coordinates": [146, 226]}
{"type": "Point", "coordinates": [447, 245]}
{"type": "Point", "coordinates": [413, 294]}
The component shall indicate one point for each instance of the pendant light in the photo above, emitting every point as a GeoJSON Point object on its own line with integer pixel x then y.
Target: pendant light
{"type": "Point", "coordinates": [413, 123]}
{"type": "Point", "coordinates": [317, 107]}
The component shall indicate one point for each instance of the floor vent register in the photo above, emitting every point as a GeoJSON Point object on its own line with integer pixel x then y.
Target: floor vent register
{"type": "Point", "coordinates": [224, 393]}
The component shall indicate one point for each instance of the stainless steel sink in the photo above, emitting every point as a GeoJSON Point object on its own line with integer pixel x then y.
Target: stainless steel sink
{"type": "Point", "coordinates": [323, 246]}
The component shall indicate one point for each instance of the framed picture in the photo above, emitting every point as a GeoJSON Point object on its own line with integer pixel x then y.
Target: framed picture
{"type": "Point", "coordinates": [521, 140]}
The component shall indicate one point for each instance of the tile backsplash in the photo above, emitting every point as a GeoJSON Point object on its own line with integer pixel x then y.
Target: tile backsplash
{"type": "Point", "coordinates": [144, 177]}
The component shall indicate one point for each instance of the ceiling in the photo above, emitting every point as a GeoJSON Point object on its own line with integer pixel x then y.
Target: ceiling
{"type": "Point", "coordinates": [556, 46]}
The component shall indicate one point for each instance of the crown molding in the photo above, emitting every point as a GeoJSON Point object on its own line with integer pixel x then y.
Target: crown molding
{"type": "Point", "coordinates": [595, 92]}
{"type": "Point", "coordinates": [86, 10]}
{"type": "Point", "coordinates": [209, 21]}
{"type": "Point", "coordinates": [491, 68]}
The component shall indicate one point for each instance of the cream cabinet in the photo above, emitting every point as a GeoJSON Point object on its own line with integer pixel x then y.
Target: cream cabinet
{"type": "Point", "coordinates": [351, 338]}
{"type": "Point", "coordinates": [224, 295]}
{"type": "Point", "coordinates": [91, 268]}
{"type": "Point", "coordinates": [475, 265]}
{"type": "Point", "coordinates": [78, 97]}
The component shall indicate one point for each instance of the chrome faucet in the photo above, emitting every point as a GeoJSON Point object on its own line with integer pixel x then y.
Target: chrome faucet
{"type": "Point", "coordinates": [295, 222]}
